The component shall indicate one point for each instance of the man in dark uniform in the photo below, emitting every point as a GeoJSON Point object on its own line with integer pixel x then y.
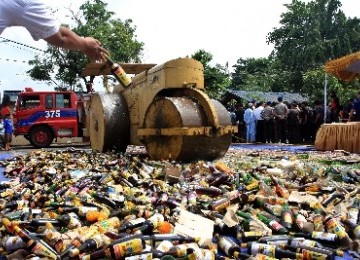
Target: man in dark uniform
{"type": "Point", "coordinates": [280, 113]}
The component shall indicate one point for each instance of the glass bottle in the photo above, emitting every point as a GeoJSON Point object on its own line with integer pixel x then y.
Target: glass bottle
{"type": "Point", "coordinates": [274, 225]}
{"type": "Point", "coordinates": [123, 246]}
{"type": "Point", "coordinates": [35, 245]}
{"type": "Point", "coordinates": [151, 223]}
{"type": "Point", "coordinates": [286, 217]}
{"type": "Point", "coordinates": [130, 225]}
{"type": "Point", "coordinates": [118, 72]}
{"type": "Point", "coordinates": [90, 244]}
{"type": "Point", "coordinates": [280, 190]}
{"type": "Point", "coordinates": [228, 246]}
{"type": "Point", "coordinates": [333, 225]}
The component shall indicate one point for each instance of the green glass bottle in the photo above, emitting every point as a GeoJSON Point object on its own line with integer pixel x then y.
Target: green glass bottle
{"type": "Point", "coordinates": [274, 225]}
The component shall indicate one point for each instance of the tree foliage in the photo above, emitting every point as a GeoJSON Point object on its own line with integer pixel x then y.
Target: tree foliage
{"type": "Point", "coordinates": [216, 78]}
{"type": "Point", "coordinates": [92, 19]}
{"type": "Point", "coordinates": [310, 33]}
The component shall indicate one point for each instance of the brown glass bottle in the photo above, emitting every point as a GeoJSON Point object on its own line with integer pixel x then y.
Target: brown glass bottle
{"type": "Point", "coordinates": [118, 72]}
{"type": "Point", "coordinates": [334, 226]}
{"type": "Point", "coordinates": [35, 245]}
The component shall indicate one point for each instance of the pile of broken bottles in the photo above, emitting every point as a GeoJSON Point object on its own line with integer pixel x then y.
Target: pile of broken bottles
{"type": "Point", "coordinates": [78, 204]}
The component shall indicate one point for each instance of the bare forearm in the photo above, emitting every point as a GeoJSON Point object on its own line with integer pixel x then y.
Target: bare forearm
{"type": "Point", "coordinates": [67, 39]}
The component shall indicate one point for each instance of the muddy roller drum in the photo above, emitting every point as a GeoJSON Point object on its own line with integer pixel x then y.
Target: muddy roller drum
{"type": "Point", "coordinates": [181, 113]}
{"type": "Point", "coordinates": [109, 122]}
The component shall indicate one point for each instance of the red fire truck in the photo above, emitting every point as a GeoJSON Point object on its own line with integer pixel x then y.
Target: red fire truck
{"type": "Point", "coordinates": [42, 116]}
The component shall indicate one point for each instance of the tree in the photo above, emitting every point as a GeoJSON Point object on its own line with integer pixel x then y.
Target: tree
{"type": "Point", "coordinates": [92, 20]}
{"type": "Point", "coordinates": [216, 77]}
{"type": "Point", "coordinates": [262, 74]}
{"type": "Point", "coordinates": [310, 34]}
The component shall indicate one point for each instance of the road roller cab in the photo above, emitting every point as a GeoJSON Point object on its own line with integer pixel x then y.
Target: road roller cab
{"type": "Point", "coordinates": [43, 116]}
{"type": "Point", "coordinates": [165, 108]}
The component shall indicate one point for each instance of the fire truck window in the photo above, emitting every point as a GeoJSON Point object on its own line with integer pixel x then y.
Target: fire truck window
{"type": "Point", "coordinates": [49, 101]}
{"type": "Point", "coordinates": [28, 102]}
{"type": "Point", "coordinates": [62, 100]}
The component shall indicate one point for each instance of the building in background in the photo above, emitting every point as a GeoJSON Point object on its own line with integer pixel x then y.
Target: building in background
{"type": "Point", "coordinates": [251, 96]}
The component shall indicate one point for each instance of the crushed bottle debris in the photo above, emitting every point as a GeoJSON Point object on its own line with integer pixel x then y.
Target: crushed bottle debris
{"type": "Point", "coordinates": [78, 204]}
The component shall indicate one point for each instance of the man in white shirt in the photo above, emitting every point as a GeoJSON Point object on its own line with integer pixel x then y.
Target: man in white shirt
{"type": "Point", "coordinates": [260, 137]}
{"type": "Point", "coordinates": [249, 120]}
{"type": "Point", "coordinates": [36, 17]}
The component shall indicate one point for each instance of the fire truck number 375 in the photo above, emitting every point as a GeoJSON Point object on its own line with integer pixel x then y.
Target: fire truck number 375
{"type": "Point", "coordinates": [52, 113]}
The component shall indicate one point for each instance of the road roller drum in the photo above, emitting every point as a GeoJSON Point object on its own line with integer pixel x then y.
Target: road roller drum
{"type": "Point", "coordinates": [109, 124]}
{"type": "Point", "coordinates": [176, 113]}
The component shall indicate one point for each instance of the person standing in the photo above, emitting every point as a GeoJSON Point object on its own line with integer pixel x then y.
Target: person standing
{"type": "Point", "coordinates": [319, 115]}
{"type": "Point", "coordinates": [2, 134]}
{"type": "Point", "coordinates": [334, 107]}
{"type": "Point", "coordinates": [280, 114]}
{"type": "Point", "coordinates": [268, 116]}
{"type": "Point", "coordinates": [293, 124]}
{"type": "Point", "coordinates": [355, 111]}
{"type": "Point", "coordinates": [259, 122]}
{"type": "Point", "coordinates": [239, 111]}
{"type": "Point", "coordinates": [8, 130]}
{"type": "Point", "coordinates": [249, 120]}
{"type": "Point", "coordinates": [36, 17]}
{"type": "Point", "coordinates": [305, 120]}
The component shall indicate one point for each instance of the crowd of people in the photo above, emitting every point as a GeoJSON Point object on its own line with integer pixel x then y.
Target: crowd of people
{"type": "Point", "coordinates": [289, 122]}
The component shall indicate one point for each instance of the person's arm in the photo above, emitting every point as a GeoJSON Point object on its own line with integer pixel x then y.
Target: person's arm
{"type": "Point", "coordinates": [67, 39]}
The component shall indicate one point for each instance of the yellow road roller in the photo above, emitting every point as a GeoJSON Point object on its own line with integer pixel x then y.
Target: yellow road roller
{"type": "Point", "coordinates": [164, 108]}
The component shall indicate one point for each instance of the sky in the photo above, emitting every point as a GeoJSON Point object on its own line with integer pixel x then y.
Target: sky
{"type": "Point", "coordinates": [169, 29]}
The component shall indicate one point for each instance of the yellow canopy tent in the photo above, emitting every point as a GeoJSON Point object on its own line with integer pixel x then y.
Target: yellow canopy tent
{"type": "Point", "coordinates": [340, 136]}
{"type": "Point", "coordinates": [346, 68]}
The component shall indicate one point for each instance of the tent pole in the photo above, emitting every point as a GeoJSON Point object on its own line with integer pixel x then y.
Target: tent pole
{"type": "Point", "coordinates": [325, 96]}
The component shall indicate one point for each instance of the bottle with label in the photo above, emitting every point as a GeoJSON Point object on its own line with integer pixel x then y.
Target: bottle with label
{"type": "Point", "coordinates": [310, 253]}
{"type": "Point", "coordinates": [268, 207]}
{"type": "Point", "coordinates": [280, 190]}
{"type": "Point", "coordinates": [228, 246]}
{"type": "Point", "coordinates": [124, 246]}
{"type": "Point", "coordinates": [150, 224]}
{"type": "Point", "coordinates": [157, 254]}
{"type": "Point", "coordinates": [130, 225]}
{"type": "Point", "coordinates": [325, 238]}
{"type": "Point", "coordinates": [352, 227]}
{"type": "Point", "coordinates": [333, 225]}
{"type": "Point", "coordinates": [318, 220]}
{"type": "Point", "coordinates": [245, 236]}
{"type": "Point", "coordinates": [108, 224]}
{"type": "Point", "coordinates": [273, 200]}
{"type": "Point", "coordinates": [35, 245]}
{"type": "Point", "coordinates": [286, 217]}
{"type": "Point", "coordinates": [118, 72]}
{"type": "Point", "coordinates": [93, 243]}
{"type": "Point", "coordinates": [269, 250]}
{"type": "Point", "coordinates": [274, 225]}
{"type": "Point", "coordinates": [173, 238]}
